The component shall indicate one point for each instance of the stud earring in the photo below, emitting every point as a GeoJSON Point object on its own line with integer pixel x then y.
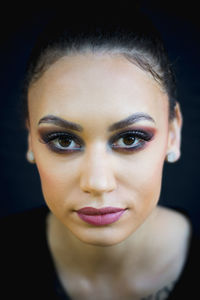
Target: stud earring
{"type": "Point", "coordinates": [171, 157]}
{"type": "Point", "coordinates": [30, 157]}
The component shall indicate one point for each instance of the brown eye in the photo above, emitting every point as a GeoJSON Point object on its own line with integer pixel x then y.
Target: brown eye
{"type": "Point", "coordinates": [64, 142]}
{"type": "Point", "coordinates": [129, 140]}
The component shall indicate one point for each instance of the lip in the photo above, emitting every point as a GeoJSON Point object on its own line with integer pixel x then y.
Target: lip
{"type": "Point", "coordinates": [99, 217]}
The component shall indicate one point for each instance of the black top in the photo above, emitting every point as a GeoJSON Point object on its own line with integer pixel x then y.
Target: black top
{"type": "Point", "coordinates": [27, 269]}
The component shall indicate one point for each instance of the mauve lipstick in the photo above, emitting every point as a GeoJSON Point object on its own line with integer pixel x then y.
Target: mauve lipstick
{"type": "Point", "coordinates": [99, 217]}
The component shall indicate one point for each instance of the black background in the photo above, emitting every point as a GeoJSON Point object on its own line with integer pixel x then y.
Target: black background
{"type": "Point", "coordinates": [180, 27]}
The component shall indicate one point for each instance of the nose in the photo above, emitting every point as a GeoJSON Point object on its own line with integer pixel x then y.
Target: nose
{"type": "Point", "coordinates": [97, 175]}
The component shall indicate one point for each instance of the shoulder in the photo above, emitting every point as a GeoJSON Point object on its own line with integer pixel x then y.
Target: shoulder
{"type": "Point", "coordinates": [174, 228]}
{"type": "Point", "coordinates": [175, 231]}
{"type": "Point", "coordinates": [168, 242]}
{"type": "Point", "coordinates": [164, 251]}
{"type": "Point", "coordinates": [168, 226]}
{"type": "Point", "coordinates": [186, 242]}
{"type": "Point", "coordinates": [174, 223]}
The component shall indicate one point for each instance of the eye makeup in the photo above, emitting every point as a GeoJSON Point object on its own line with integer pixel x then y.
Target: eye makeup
{"type": "Point", "coordinates": [61, 141]}
{"type": "Point", "coordinates": [131, 140]}
{"type": "Point", "coordinates": [126, 141]}
{"type": "Point", "coordinates": [137, 138]}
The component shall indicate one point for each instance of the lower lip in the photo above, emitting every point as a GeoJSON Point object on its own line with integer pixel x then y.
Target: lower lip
{"type": "Point", "coordinates": [103, 219]}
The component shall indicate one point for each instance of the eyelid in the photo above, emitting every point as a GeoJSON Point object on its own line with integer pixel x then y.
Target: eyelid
{"type": "Point", "coordinates": [149, 132]}
{"type": "Point", "coordinates": [48, 138]}
{"type": "Point", "coordinates": [44, 133]}
{"type": "Point", "coordinates": [144, 128]}
{"type": "Point", "coordinates": [144, 134]}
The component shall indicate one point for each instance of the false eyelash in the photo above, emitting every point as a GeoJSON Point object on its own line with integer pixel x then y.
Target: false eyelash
{"type": "Point", "coordinates": [140, 134]}
{"type": "Point", "coordinates": [144, 136]}
{"type": "Point", "coordinates": [48, 137]}
{"type": "Point", "coordinates": [147, 136]}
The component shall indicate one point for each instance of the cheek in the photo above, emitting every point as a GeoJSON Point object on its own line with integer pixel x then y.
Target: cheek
{"type": "Point", "coordinates": [56, 182]}
{"type": "Point", "coordinates": [143, 177]}
{"type": "Point", "coordinates": [150, 184]}
{"type": "Point", "coordinates": [142, 188]}
{"type": "Point", "coordinates": [145, 182]}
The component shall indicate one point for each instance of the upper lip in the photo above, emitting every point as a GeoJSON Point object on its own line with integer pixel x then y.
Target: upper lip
{"type": "Point", "coordinates": [99, 211]}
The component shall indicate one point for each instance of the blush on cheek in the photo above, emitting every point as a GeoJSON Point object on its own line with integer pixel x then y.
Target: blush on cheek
{"type": "Point", "coordinates": [50, 183]}
{"type": "Point", "coordinates": [148, 186]}
{"type": "Point", "coordinates": [153, 190]}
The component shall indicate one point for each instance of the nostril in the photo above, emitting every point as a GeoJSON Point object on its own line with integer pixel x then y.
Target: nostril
{"type": "Point", "coordinates": [97, 174]}
{"type": "Point", "coordinates": [97, 185]}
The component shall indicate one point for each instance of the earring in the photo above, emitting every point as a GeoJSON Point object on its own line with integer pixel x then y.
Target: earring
{"type": "Point", "coordinates": [171, 157]}
{"type": "Point", "coordinates": [30, 157]}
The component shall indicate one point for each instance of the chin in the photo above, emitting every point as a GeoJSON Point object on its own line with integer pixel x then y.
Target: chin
{"type": "Point", "coordinates": [103, 236]}
{"type": "Point", "coordinates": [101, 242]}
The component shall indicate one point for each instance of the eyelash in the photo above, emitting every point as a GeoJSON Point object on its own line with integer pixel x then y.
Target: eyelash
{"type": "Point", "coordinates": [142, 137]}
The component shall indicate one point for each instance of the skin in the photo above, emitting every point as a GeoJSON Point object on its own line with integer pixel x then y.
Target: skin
{"type": "Point", "coordinates": [95, 91]}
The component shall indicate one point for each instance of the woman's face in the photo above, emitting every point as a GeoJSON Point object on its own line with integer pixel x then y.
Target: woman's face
{"type": "Point", "coordinates": [112, 156]}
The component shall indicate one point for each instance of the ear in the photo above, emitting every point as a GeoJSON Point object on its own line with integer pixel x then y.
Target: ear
{"type": "Point", "coordinates": [174, 135]}
{"type": "Point", "coordinates": [29, 153]}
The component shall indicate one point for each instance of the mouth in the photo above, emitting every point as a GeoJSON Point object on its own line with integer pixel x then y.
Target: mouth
{"type": "Point", "coordinates": [102, 216]}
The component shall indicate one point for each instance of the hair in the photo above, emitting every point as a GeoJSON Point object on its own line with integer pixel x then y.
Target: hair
{"type": "Point", "coordinates": [133, 36]}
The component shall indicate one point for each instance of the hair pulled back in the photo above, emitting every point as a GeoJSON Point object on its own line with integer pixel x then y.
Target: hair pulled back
{"type": "Point", "coordinates": [129, 34]}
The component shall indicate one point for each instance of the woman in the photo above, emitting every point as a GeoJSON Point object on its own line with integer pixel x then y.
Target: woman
{"type": "Point", "coordinates": [102, 119]}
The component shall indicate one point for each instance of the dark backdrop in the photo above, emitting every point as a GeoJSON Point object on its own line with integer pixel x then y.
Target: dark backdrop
{"type": "Point", "coordinates": [19, 181]}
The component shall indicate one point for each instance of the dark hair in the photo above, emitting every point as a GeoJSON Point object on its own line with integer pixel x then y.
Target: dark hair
{"type": "Point", "coordinates": [133, 36]}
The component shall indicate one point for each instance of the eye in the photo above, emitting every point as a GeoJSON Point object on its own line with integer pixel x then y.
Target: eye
{"type": "Point", "coordinates": [128, 141]}
{"type": "Point", "coordinates": [62, 142]}
{"type": "Point", "coordinates": [131, 140]}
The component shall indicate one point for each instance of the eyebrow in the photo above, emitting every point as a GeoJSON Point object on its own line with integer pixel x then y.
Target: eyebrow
{"type": "Point", "coordinates": [50, 119]}
{"type": "Point", "coordinates": [134, 118]}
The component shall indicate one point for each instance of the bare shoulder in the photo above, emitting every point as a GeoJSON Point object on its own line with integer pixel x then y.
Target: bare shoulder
{"type": "Point", "coordinates": [175, 223]}
{"type": "Point", "coordinates": [171, 232]}
{"type": "Point", "coordinates": [174, 231]}
{"type": "Point", "coordinates": [164, 252]}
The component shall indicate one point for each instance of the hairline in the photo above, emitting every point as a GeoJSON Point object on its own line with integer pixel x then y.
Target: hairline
{"type": "Point", "coordinates": [57, 54]}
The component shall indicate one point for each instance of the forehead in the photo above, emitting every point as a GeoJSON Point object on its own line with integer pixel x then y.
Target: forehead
{"type": "Point", "coordinates": [96, 83]}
